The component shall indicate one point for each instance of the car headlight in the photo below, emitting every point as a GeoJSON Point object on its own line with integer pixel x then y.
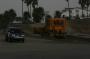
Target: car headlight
{"type": "Point", "coordinates": [22, 35]}
{"type": "Point", "coordinates": [13, 35]}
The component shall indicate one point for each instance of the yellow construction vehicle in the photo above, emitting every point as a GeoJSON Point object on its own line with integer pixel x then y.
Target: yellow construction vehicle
{"type": "Point", "coordinates": [53, 27]}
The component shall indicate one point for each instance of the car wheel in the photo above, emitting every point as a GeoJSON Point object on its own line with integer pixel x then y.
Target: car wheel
{"type": "Point", "coordinates": [10, 39]}
{"type": "Point", "coordinates": [6, 39]}
{"type": "Point", "coordinates": [23, 40]}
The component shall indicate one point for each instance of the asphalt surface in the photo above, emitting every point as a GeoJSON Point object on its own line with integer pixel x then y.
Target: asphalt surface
{"type": "Point", "coordinates": [44, 48]}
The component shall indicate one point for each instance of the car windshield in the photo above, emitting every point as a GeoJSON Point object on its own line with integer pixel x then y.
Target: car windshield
{"type": "Point", "coordinates": [59, 23]}
{"type": "Point", "coordinates": [15, 31]}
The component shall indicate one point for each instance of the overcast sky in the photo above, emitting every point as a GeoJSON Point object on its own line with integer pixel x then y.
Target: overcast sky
{"type": "Point", "coordinates": [49, 5]}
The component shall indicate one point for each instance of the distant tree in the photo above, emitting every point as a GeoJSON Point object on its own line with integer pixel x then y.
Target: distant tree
{"type": "Point", "coordinates": [12, 13]}
{"type": "Point", "coordinates": [28, 3]}
{"type": "Point", "coordinates": [31, 3]}
{"type": "Point", "coordinates": [26, 17]}
{"type": "Point", "coordinates": [35, 3]}
{"type": "Point", "coordinates": [38, 14]}
{"type": "Point", "coordinates": [6, 14]}
{"type": "Point", "coordinates": [47, 17]}
{"type": "Point", "coordinates": [8, 17]}
{"type": "Point", "coordinates": [3, 22]}
{"type": "Point", "coordinates": [87, 5]}
{"type": "Point", "coordinates": [57, 14]}
{"type": "Point", "coordinates": [82, 3]}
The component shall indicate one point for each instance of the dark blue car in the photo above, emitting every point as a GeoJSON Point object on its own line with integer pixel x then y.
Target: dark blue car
{"type": "Point", "coordinates": [14, 34]}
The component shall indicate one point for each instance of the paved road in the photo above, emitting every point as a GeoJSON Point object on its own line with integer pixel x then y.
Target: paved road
{"type": "Point", "coordinates": [39, 48]}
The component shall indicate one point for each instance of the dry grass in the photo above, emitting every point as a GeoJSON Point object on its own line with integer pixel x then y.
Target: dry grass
{"type": "Point", "coordinates": [81, 26]}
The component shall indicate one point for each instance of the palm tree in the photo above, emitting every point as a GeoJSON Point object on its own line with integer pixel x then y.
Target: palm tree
{"type": "Point", "coordinates": [31, 3]}
{"type": "Point", "coordinates": [28, 3]}
{"type": "Point", "coordinates": [87, 5]}
{"type": "Point", "coordinates": [82, 3]}
{"type": "Point", "coordinates": [35, 2]}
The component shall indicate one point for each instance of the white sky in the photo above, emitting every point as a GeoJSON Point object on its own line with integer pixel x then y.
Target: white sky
{"type": "Point", "coordinates": [49, 5]}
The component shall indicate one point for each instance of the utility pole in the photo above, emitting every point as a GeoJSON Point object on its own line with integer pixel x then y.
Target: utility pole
{"type": "Point", "coordinates": [31, 10]}
{"type": "Point", "coordinates": [68, 9]}
{"type": "Point", "coordinates": [22, 10]}
{"type": "Point", "coordinates": [69, 18]}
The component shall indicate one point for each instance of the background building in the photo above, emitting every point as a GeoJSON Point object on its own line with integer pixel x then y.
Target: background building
{"type": "Point", "coordinates": [74, 12]}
